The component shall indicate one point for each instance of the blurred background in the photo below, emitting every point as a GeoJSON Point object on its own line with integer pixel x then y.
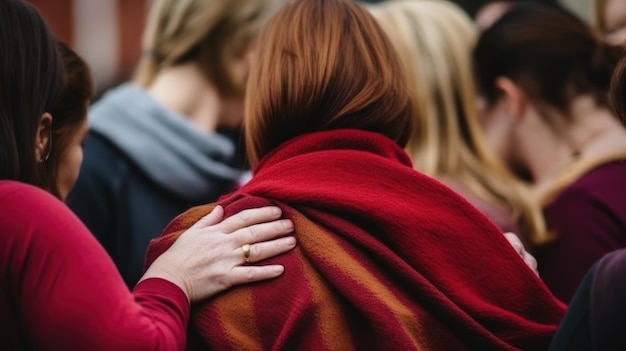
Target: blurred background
{"type": "Point", "coordinates": [108, 32]}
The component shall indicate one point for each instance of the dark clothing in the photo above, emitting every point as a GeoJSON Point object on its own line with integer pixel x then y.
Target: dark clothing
{"type": "Point", "coordinates": [144, 165]}
{"type": "Point", "coordinates": [589, 220]}
{"type": "Point", "coordinates": [596, 317]}
{"type": "Point", "coordinates": [123, 208]}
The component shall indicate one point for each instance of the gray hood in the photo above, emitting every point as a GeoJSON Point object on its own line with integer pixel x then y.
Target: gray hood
{"type": "Point", "coordinates": [171, 151]}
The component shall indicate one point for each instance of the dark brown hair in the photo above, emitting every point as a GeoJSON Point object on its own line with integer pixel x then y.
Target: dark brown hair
{"type": "Point", "coordinates": [551, 54]}
{"type": "Point", "coordinates": [68, 113]}
{"type": "Point", "coordinates": [323, 65]}
{"type": "Point", "coordinates": [31, 75]}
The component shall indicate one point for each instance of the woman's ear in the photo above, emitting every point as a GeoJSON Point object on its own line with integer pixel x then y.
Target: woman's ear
{"type": "Point", "coordinates": [513, 96]}
{"type": "Point", "coordinates": [43, 141]}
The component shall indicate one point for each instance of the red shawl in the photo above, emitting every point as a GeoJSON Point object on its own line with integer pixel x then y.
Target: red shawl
{"type": "Point", "coordinates": [387, 259]}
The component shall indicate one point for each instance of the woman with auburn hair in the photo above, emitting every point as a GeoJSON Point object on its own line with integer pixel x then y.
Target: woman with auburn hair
{"type": "Point", "coordinates": [434, 40]}
{"type": "Point", "coordinates": [387, 258]}
{"type": "Point", "coordinates": [58, 288]}
{"type": "Point", "coordinates": [544, 75]}
{"type": "Point", "coordinates": [169, 140]}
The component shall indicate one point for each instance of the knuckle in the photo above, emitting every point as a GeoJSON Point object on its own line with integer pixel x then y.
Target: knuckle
{"type": "Point", "coordinates": [243, 217]}
{"type": "Point", "coordinates": [254, 233]}
{"type": "Point", "coordinates": [256, 250]}
{"type": "Point", "coordinates": [249, 274]}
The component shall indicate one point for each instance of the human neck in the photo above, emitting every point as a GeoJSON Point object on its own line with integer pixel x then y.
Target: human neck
{"type": "Point", "coordinates": [184, 89]}
{"type": "Point", "coordinates": [590, 131]}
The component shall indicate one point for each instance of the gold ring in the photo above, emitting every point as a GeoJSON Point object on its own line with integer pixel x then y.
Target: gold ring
{"type": "Point", "coordinates": [246, 252]}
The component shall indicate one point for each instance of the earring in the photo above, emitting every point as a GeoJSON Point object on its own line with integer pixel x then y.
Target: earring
{"type": "Point", "coordinates": [49, 147]}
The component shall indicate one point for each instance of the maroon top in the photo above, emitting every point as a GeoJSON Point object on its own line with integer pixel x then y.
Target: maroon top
{"type": "Point", "coordinates": [60, 290]}
{"type": "Point", "coordinates": [589, 219]}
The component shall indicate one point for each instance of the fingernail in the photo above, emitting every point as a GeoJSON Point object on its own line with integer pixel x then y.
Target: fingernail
{"type": "Point", "coordinates": [288, 224]}
{"type": "Point", "coordinates": [276, 211]}
{"type": "Point", "coordinates": [290, 241]}
{"type": "Point", "coordinates": [279, 269]}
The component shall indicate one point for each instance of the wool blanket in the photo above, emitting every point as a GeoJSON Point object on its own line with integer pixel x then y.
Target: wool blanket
{"type": "Point", "coordinates": [387, 259]}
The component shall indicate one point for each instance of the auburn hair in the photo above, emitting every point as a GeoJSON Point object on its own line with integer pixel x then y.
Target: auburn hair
{"type": "Point", "coordinates": [324, 65]}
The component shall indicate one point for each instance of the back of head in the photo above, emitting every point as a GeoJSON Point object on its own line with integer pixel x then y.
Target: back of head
{"type": "Point", "coordinates": [31, 75]}
{"type": "Point", "coordinates": [551, 54]}
{"type": "Point", "coordinates": [69, 112]}
{"type": "Point", "coordinates": [324, 65]}
{"type": "Point", "coordinates": [212, 33]}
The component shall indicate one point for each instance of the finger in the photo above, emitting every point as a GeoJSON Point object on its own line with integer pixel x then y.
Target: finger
{"type": "Point", "coordinates": [250, 217]}
{"type": "Point", "coordinates": [515, 242]}
{"type": "Point", "coordinates": [249, 274]}
{"type": "Point", "coordinates": [267, 249]}
{"type": "Point", "coordinates": [214, 217]}
{"type": "Point", "coordinates": [531, 261]}
{"type": "Point", "coordinates": [264, 231]}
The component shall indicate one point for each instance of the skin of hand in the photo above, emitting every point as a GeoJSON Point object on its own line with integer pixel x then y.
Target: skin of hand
{"type": "Point", "coordinates": [519, 248]}
{"type": "Point", "coordinates": [208, 257]}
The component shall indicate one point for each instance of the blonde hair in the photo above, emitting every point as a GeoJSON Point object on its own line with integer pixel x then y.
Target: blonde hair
{"type": "Point", "coordinates": [213, 33]}
{"type": "Point", "coordinates": [434, 40]}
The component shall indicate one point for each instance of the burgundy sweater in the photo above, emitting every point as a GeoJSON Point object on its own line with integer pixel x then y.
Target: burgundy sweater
{"type": "Point", "coordinates": [589, 219]}
{"type": "Point", "coordinates": [60, 290]}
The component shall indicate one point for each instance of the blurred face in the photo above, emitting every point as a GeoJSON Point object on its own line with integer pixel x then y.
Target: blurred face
{"type": "Point", "coordinates": [71, 160]}
{"type": "Point", "coordinates": [615, 19]}
{"type": "Point", "coordinates": [233, 107]}
{"type": "Point", "coordinates": [490, 13]}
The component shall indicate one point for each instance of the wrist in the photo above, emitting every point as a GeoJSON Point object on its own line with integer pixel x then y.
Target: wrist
{"type": "Point", "coordinates": [161, 269]}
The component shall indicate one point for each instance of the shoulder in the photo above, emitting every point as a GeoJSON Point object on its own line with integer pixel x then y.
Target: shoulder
{"type": "Point", "coordinates": [609, 176]}
{"type": "Point", "coordinates": [593, 205]}
{"type": "Point", "coordinates": [602, 188]}
{"type": "Point", "coordinates": [27, 212]}
{"type": "Point", "coordinates": [14, 196]}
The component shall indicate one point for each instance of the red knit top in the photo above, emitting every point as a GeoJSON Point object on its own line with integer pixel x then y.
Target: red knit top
{"type": "Point", "coordinates": [61, 291]}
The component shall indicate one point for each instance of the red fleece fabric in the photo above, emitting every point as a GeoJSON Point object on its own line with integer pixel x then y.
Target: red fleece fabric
{"type": "Point", "coordinates": [387, 259]}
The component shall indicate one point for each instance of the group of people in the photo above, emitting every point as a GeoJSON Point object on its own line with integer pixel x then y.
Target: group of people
{"type": "Point", "coordinates": [450, 185]}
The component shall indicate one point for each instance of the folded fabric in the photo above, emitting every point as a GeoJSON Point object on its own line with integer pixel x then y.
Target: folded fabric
{"type": "Point", "coordinates": [387, 259]}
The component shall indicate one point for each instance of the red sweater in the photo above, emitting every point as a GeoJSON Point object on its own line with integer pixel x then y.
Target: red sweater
{"type": "Point", "coordinates": [60, 290]}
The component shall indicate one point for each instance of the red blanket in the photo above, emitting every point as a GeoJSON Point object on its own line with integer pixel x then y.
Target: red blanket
{"type": "Point", "coordinates": [387, 259]}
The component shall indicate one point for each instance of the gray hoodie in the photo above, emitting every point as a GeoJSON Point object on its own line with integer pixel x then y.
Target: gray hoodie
{"type": "Point", "coordinates": [167, 147]}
